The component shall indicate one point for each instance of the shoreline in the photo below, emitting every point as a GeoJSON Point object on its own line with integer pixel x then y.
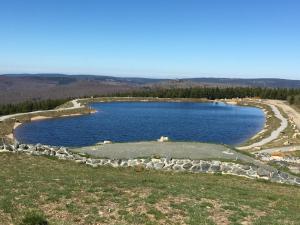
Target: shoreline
{"type": "Point", "coordinates": [82, 104]}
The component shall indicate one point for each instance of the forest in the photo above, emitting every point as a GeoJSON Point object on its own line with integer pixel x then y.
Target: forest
{"type": "Point", "coordinates": [29, 106]}
{"type": "Point", "coordinates": [216, 93]}
{"type": "Point", "coordinates": [292, 95]}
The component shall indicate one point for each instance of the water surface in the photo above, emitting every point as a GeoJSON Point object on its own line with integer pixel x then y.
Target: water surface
{"type": "Point", "coordinates": [144, 121]}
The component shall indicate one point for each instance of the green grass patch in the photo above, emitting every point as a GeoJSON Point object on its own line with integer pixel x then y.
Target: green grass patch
{"type": "Point", "coordinates": [64, 192]}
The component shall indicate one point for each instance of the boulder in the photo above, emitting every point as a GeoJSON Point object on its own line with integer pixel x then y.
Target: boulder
{"type": "Point", "coordinates": [23, 146]}
{"type": "Point", "coordinates": [239, 171]}
{"type": "Point", "coordinates": [196, 168]}
{"type": "Point", "coordinates": [245, 167]}
{"type": "Point", "coordinates": [63, 151]}
{"type": "Point", "coordinates": [187, 166]}
{"type": "Point", "coordinates": [16, 144]}
{"type": "Point", "coordinates": [215, 166]}
{"type": "Point", "coordinates": [159, 165]}
{"type": "Point", "coordinates": [284, 175]}
{"type": "Point", "coordinates": [163, 139]}
{"type": "Point", "coordinates": [205, 166]}
{"type": "Point", "coordinates": [9, 147]}
{"type": "Point", "coordinates": [177, 168]}
{"type": "Point", "coordinates": [263, 172]}
{"type": "Point", "coordinates": [226, 168]}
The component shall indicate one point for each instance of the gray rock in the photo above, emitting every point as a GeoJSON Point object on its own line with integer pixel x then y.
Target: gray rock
{"type": "Point", "coordinates": [62, 151]}
{"type": "Point", "coordinates": [16, 144]}
{"type": "Point", "coordinates": [245, 167]}
{"type": "Point", "coordinates": [168, 166]}
{"type": "Point", "coordinates": [105, 161]}
{"type": "Point", "coordinates": [239, 171]}
{"type": "Point", "coordinates": [23, 146]}
{"type": "Point", "coordinates": [226, 168]}
{"type": "Point", "coordinates": [38, 145]}
{"type": "Point", "coordinates": [36, 153]}
{"type": "Point", "coordinates": [9, 147]}
{"type": "Point", "coordinates": [149, 165]}
{"type": "Point", "coordinates": [275, 177]}
{"type": "Point", "coordinates": [187, 166]}
{"type": "Point", "coordinates": [205, 166]}
{"type": "Point", "coordinates": [196, 168]}
{"type": "Point", "coordinates": [283, 175]}
{"type": "Point", "coordinates": [77, 157]}
{"type": "Point", "coordinates": [70, 157]}
{"type": "Point", "coordinates": [93, 165]}
{"type": "Point", "coordinates": [290, 180]}
{"type": "Point", "coordinates": [158, 166]}
{"type": "Point", "coordinates": [90, 161]}
{"type": "Point", "coordinates": [94, 161]}
{"type": "Point", "coordinates": [215, 166]}
{"type": "Point", "coordinates": [147, 160]}
{"type": "Point", "coordinates": [47, 152]}
{"type": "Point", "coordinates": [61, 156]}
{"type": "Point", "coordinates": [263, 172]}
{"type": "Point", "coordinates": [179, 162]}
{"type": "Point", "coordinates": [115, 162]}
{"type": "Point", "coordinates": [168, 160]}
{"type": "Point", "coordinates": [124, 164]}
{"type": "Point", "coordinates": [177, 167]}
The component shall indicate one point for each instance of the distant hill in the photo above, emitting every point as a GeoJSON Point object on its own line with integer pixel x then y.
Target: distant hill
{"type": "Point", "coordinates": [19, 87]}
{"type": "Point", "coordinates": [259, 82]}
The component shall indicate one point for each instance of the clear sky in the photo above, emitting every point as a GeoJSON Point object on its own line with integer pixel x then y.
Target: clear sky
{"type": "Point", "coordinates": [152, 38]}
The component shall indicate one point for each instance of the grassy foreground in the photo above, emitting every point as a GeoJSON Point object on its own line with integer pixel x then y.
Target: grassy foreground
{"type": "Point", "coordinates": [62, 192]}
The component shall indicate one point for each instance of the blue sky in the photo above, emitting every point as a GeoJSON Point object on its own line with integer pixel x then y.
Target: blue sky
{"type": "Point", "coordinates": [166, 38]}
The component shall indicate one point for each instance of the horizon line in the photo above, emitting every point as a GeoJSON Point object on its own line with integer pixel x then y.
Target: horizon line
{"type": "Point", "coordinates": [154, 77]}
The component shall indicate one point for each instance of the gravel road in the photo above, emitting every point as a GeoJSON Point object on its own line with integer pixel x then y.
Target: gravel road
{"type": "Point", "coordinates": [274, 134]}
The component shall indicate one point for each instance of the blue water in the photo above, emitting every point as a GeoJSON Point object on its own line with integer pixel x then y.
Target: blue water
{"type": "Point", "coordinates": [140, 121]}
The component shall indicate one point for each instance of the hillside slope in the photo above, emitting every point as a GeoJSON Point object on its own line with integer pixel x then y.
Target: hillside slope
{"type": "Point", "coordinates": [16, 88]}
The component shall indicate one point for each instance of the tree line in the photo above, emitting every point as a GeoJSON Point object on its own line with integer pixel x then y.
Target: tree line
{"type": "Point", "coordinates": [215, 93]}
{"type": "Point", "coordinates": [29, 106]}
{"type": "Point", "coordinates": [292, 95]}
{"type": "Point", "coordinates": [294, 100]}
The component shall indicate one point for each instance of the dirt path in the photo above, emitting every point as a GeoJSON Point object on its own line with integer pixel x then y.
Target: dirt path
{"type": "Point", "coordinates": [274, 134]}
{"type": "Point", "coordinates": [280, 149]}
{"type": "Point", "coordinates": [292, 113]}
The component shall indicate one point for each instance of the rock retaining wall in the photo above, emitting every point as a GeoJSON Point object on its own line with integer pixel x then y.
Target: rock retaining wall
{"type": "Point", "coordinates": [183, 165]}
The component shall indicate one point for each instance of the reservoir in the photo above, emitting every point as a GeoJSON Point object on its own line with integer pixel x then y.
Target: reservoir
{"type": "Point", "coordinates": [148, 121]}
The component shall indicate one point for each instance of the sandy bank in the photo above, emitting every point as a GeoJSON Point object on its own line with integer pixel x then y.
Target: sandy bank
{"type": "Point", "coordinates": [40, 118]}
